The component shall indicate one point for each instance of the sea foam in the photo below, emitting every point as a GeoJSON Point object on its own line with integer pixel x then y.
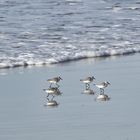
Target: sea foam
{"type": "Point", "coordinates": [52, 32]}
{"type": "Point", "coordinates": [23, 61]}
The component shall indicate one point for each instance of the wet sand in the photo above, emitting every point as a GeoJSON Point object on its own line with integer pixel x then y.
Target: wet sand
{"type": "Point", "coordinates": [24, 114]}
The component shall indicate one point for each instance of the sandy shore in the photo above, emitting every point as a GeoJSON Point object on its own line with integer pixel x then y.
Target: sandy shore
{"type": "Point", "coordinates": [24, 114]}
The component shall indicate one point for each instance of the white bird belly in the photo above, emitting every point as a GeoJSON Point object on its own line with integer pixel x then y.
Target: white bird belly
{"type": "Point", "coordinates": [86, 81]}
{"type": "Point", "coordinates": [52, 82]}
{"type": "Point", "coordinates": [100, 86]}
{"type": "Point", "coordinates": [49, 91]}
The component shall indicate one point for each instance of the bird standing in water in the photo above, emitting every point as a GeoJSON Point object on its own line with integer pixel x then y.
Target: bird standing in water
{"type": "Point", "coordinates": [87, 81]}
{"type": "Point", "coordinates": [54, 80]}
{"type": "Point", "coordinates": [102, 86]}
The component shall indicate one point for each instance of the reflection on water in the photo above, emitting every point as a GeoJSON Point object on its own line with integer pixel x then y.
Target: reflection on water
{"type": "Point", "coordinates": [103, 97]}
{"type": "Point", "coordinates": [51, 102]}
{"type": "Point", "coordinates": [88, 91]}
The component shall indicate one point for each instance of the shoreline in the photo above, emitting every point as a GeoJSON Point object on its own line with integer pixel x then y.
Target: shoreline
{"type": "Point", "coordinates": [39, 64]}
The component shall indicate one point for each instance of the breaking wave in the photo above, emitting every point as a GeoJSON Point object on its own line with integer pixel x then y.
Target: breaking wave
{"type": "Point", "coordinates": [51, 32]}
{"type": "Point", "coordinates": [30, 60]}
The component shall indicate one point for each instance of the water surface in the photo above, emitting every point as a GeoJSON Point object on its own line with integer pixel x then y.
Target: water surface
{"type": "Point", "coordinates": [24, 114]}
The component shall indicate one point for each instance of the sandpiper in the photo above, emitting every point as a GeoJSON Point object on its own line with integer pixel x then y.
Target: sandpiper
{"type": "Point", "coordinates": [54, 80]}
{"type": "Point", "coordinates": [102, 86]}
{"type": "Point", "coordinates": [87, 81]}
{"type": "Point", "coordinates": [52, 91]}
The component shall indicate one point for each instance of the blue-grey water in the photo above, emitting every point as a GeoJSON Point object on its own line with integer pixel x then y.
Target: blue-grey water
{"type": "Point", "coordinates": [40, 32]}
{"type": "Point", "coordinates": [25, 116]}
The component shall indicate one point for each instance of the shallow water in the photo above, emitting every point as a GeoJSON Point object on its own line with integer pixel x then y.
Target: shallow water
{"type": "Point", "coordinates": [39, 32]}
{"type": "Point", "coordinates": [24, 114]}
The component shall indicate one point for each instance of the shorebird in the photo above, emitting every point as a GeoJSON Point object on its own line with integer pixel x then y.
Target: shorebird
{"type": "Point", "coordinates": [102, 86]}
{"type": "Point", "coordinates": [52, 91]}
{"type": "Point", "coordinates": [87, 81]}
{"type": "Point", "coordinates": [54, 80]}
{"type": "Point", "coordinates": [103, 97]}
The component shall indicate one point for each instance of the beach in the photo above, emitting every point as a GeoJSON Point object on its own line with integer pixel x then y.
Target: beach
{"type": "Point", "coordinates": [72, 39]}
{"type": "Point", "coordinates": [24, 113]}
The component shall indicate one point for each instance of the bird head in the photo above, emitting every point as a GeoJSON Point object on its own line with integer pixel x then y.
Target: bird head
{"type": "Point", "coordinates": [60, 78]}
{"type": "Point", "coordinates": [93, 77]}
{"type": "Point", "coordinates": [107, 82]}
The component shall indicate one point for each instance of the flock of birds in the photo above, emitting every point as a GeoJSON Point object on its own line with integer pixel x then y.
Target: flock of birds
{"type": "Point", "coordinates": [54, 90]}
{"type": "Point", "coordinates": [102, 96]}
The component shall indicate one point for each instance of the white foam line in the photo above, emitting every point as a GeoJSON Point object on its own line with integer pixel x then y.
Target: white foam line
{"type": "Point", "coordinates": [66, 58]}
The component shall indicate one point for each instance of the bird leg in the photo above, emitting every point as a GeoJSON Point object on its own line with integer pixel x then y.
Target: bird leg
{"type": "Point", "coordinates": [52, 98]}
{"type": "Point", "coordinates": [87, 86]}
{"type": "Point", "coordinates": [57, 85]}
{"type": "Point", "coordinates": [47, 95]}
{"type": "Point", "coordinates": [50, 85]}
{"type": "Point", "coordinates": [101, 91]}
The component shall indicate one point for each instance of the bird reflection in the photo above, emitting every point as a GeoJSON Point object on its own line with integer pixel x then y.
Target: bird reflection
{"type": "Point", "coordinates": [103, 97]}
{"type": "Point", "coordinates": [51, 102]}
{"type": "Point", "coordinates": [88, 91]}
